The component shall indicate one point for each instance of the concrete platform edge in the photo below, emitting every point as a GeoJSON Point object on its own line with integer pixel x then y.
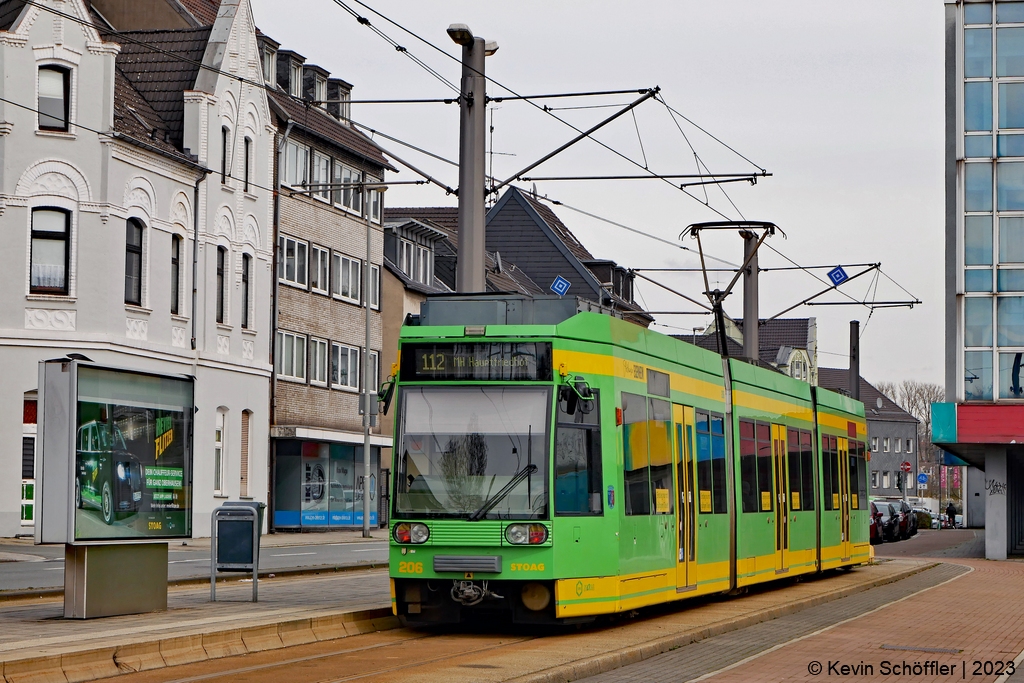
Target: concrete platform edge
{"type": "Point", "coordinates": [110, 660]}
{"type": "Point", "coordinates": [592, 666]}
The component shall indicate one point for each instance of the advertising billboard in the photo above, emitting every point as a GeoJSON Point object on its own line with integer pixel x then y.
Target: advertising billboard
{"type": "Point", "coordinates": [133, 455]}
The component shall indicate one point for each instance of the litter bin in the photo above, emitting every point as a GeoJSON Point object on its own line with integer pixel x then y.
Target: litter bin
{"type": "Point", "coordinates": [235, 541]}
{"type": "Point", "coordinates": [256, 505]}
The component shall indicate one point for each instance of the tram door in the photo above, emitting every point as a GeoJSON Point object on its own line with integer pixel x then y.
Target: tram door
{"type": "Point", "coordinates": [781, 500]}
{"type": "Point", "coordinates": [844, 497]}
{"type": "Point", "coordinates": [686, 567]}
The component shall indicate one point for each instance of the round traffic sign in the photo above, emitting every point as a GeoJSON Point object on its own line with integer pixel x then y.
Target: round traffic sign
{"type": "Point", "coordinates": [922, 478]}
{"type": "Point", "coordinates": [906, 466]}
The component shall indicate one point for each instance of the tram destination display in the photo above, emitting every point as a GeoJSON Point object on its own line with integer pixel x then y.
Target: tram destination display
{"type": "Point", "coordinates": [486, 361]}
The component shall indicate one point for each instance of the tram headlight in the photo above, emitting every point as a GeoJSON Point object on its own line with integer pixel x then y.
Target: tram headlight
{"type": "Point", "coordinates": [526, 534]}
{"type": "Point", "coordinates": [419, 533]}
{"type": "Point", "coordinates": [411, 533]}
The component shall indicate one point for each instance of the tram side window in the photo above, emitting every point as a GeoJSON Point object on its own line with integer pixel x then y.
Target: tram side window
{"type": "Point", "coordinates": [659, 439]}
{"type": "Point", "coordinates": [635, 452]}
{"type": "Point", "coordinates": [711, 482]}
{"type": "Point", "coordinates": [748, 466]}
{"type": "Point", "coordinates": [830, 472]}
{"type": "Point", "coordinates": [578, 479]}
{"type": "Point", "coordinates": [807, 471]}
{"type": "Point", "coordinates": [858, 474]}
{"type": "Point", "coordinates": [756, 466]}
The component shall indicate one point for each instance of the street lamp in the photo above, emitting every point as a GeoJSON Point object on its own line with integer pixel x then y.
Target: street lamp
{"type": "Point", "coordinates": [469, 274]}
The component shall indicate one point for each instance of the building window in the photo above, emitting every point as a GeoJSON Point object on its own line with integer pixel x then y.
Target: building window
{"type": "Point", "coordinates": [885, 445]}
{"type": "Point", "coordinates": [319, 270]}
{"type": "Point", "coordinates": [290, 356]}
{"type": "Point", "coordinates": [295, 80]}
{"type": "Point", "coordinates": [374, 373]}
{"type": "Point", "coordinates": [320, 90]}
{"type": "Point", "coordinates": [874, 444]}
{"type": "Point", "coordinates": [317, 361]}
{"type": "Point", "coordinates": [910, 445]}
{"type": "Point", "coordinates": [50, 240]}
{"type": "Point", "coordinates": [347, 273]}
{"type": "Point", "coordinates": [321, 176]}
{"type": "Point", "coordinates": [175, 274]}
{"type": "Point", "coordinates": [291, 261]}
{"type": "Point", "coordinates": [243, 477]}
{"type": "Point", "coordinates": [874, 479]}
{"type": "Point", "coordinates": [296, 165]}
{"type": "Point", "coordinates": [270, 67]}
{"type": "Point", "coordinates": [375, 287]}
{"type": "Point", "coordinates": [224, 136]}
{"type": "Point", "coordinates": [885, 480]}
{"type": "Point", "coordinates": [897, 445]}
{"type": "Point", "coordinates": [133, 262]}
{"type": "Point", "coordinates": [344, 367]}
{"type": "Point", "coordinates": [246, 274]}
{"type": "Point", "coordinates": [406, 257]}
{"type": "Point", "coordinates": [54, 98]}
{"type": "Point", "coordinates": [247, 171]}
{"type": "Point", "coordinates": [349, 195]}
{"type": "Point", "coordinates": [222, 257]}
{"type": "Point", "coordinates": [375, 201]}
{"type": "Point", "coordinates": [218, 455]}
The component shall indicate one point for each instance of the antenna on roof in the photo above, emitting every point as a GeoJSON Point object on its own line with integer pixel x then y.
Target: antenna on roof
{"type": "Point", "coordinates": [497, 262]}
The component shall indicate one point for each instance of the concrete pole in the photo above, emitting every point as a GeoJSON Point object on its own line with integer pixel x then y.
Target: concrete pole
{"type": "Point", "coordinates": [366, 396]}
{"type": "Point", "coordinates": [469, 274]}
{"type": "Point", "coordinates": [751, 315]}
{"type": "Point", "coordinates": [854, 378]}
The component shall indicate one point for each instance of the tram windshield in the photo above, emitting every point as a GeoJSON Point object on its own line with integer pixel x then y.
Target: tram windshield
{"type": "Point", "coordinates": [460, 446]}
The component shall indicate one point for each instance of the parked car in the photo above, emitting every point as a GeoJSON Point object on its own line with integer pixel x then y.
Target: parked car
{"type": "Point", "coordinates": [876, 526]}
{"type": "Point", "coordinates": [109, 476]}
{"type": "Point", "coordinates": [908, 518]}
{"type": "Point", "coordinates": [959, 521]}
{"type": "Point", "coordinates": [889, 522]}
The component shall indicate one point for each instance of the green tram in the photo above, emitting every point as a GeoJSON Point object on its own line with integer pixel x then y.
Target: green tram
{"type": "Point", "coordinates": [574, 464]}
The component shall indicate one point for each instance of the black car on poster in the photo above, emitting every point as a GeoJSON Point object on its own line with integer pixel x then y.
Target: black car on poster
{"type": "Point", "coordinates": [109, 477]}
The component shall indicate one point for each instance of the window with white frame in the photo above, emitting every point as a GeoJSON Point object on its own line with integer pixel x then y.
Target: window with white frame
{"type": "Point", "coordinates": [321, 175]}
{"type": "Point", "coordinates": [910, 445]}
{"type": "Point", "coordinates": [874, 444]}
{"type": "Point", "coordinates": [51, 246]}
{"type": "Point", "coordinates": [406, 257]}
{"type": "Point", "coordinates": [296, 164]}
{"type": "Point", "coordinates": [375, 287]}
{"type": "Point", "coordinates": [270, 66]}
{"type": "Point", "coordinates": [320, 89]}
{"type": "Point", "coordinates": [291, 260]}
{"type": "Point", "coordinates": [349, 195]}
{"type": "Point", "coordinates": [424, 265]}
{"type": "Point", "coordinates": [295, 80]}
{"type": "Point", "coordinates": [885, 480]}
{"type": "Point", "coordinates": [218, 455]}
{"type": "Point", "coordinates": [898, 445]}
{"type": "Point", "coordinates": [317, 361]}
{"type": "Point", "coordinates": [874, 479]}
{"type": "Point", "coordinates": [375, 202]}
{"type": "Point", "coordinates": [319, 269]}
{"type": "Point", "coordinates": [885, 445]}
{"type": "Point", "coordinates": [344, 367]}
{"type": "Point", "coordinates": [347, 274]}
{"type": "Point", "coordinates": [290, 356]}
{"type": "Point", "coordinates": [374, 383]}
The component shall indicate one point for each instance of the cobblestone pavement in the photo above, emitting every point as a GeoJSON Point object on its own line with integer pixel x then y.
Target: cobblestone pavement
{"type": "Point", "coordinates": [962, 614]}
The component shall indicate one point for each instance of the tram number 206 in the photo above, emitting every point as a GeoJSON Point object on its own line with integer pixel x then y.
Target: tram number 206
{"type": "Point", "coordinates": [410, 567]}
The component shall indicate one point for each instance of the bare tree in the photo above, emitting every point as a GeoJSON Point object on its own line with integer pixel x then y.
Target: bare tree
{"type": "Point", "coordinates": [917, 398]}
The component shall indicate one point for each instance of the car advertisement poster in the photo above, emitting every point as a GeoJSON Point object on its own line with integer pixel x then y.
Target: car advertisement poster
{"type": "Point", "coordinates": [133, 456]}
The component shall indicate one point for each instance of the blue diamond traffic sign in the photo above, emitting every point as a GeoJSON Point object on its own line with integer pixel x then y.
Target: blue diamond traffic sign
{"type": "Point", "coordinates": [560, 286]}
{"type": "Point", "coordinates": [838, 276]}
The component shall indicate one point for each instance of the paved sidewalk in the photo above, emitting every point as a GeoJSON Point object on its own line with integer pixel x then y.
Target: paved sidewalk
{"type": "Point", "coordinates": [36, 643]}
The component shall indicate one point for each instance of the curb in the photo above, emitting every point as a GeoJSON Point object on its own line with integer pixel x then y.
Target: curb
{"type": "Point", "coordinates": [33, 593]}
{"type": "Point", "coordinates": [112, 660]}
{"type": "Point", "coordinates": [584, 668]}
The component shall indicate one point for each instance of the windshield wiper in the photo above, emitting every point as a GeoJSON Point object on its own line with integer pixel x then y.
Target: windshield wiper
{"type": "Point", "coordinates": [505, 490]}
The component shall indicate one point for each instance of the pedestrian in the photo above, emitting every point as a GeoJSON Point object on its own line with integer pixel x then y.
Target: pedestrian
{"type": "Point", "coordinates": [951, 515]}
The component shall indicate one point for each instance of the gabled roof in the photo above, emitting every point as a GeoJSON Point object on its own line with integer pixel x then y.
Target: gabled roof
{"type": "Point", "coordinates": [318, 122]}
{"type": "Point", "coordinates": [10, 10]}
{"type": "Point", "coordinates": [838, 379]}
{"type": "Point", "coordinates": [160, 77]}
{"type": "Point", "coordinates": [772, 336]}
{"type": "Point", "coordinates": [437, 287]}
{"type": "Point", "coordinates": [136, 119]}
{"type": "Point", "coordinates": [204, 11]}
{"type": "Point", "coordinates": [445, 217]}
{"type": "Point", "coordinates": [555, 223]}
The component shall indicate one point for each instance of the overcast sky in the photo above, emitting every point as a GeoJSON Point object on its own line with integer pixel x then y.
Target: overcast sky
{"type": "Point", "coordinates": [841, 102]}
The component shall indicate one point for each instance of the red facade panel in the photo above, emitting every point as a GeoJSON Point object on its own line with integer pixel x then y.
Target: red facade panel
{"type": "Point", "coordinates": [989, 423]}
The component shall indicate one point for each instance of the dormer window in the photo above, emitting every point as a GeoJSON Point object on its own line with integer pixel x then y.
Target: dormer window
{"type": "Point", "coordinates": [295, 80]}
{"type": "Point", "coordinates": [270, 66]}
{"type": "Point", "coordinates": [320, 90]}
{"type": "Point", "coordinates": [416, 261]}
